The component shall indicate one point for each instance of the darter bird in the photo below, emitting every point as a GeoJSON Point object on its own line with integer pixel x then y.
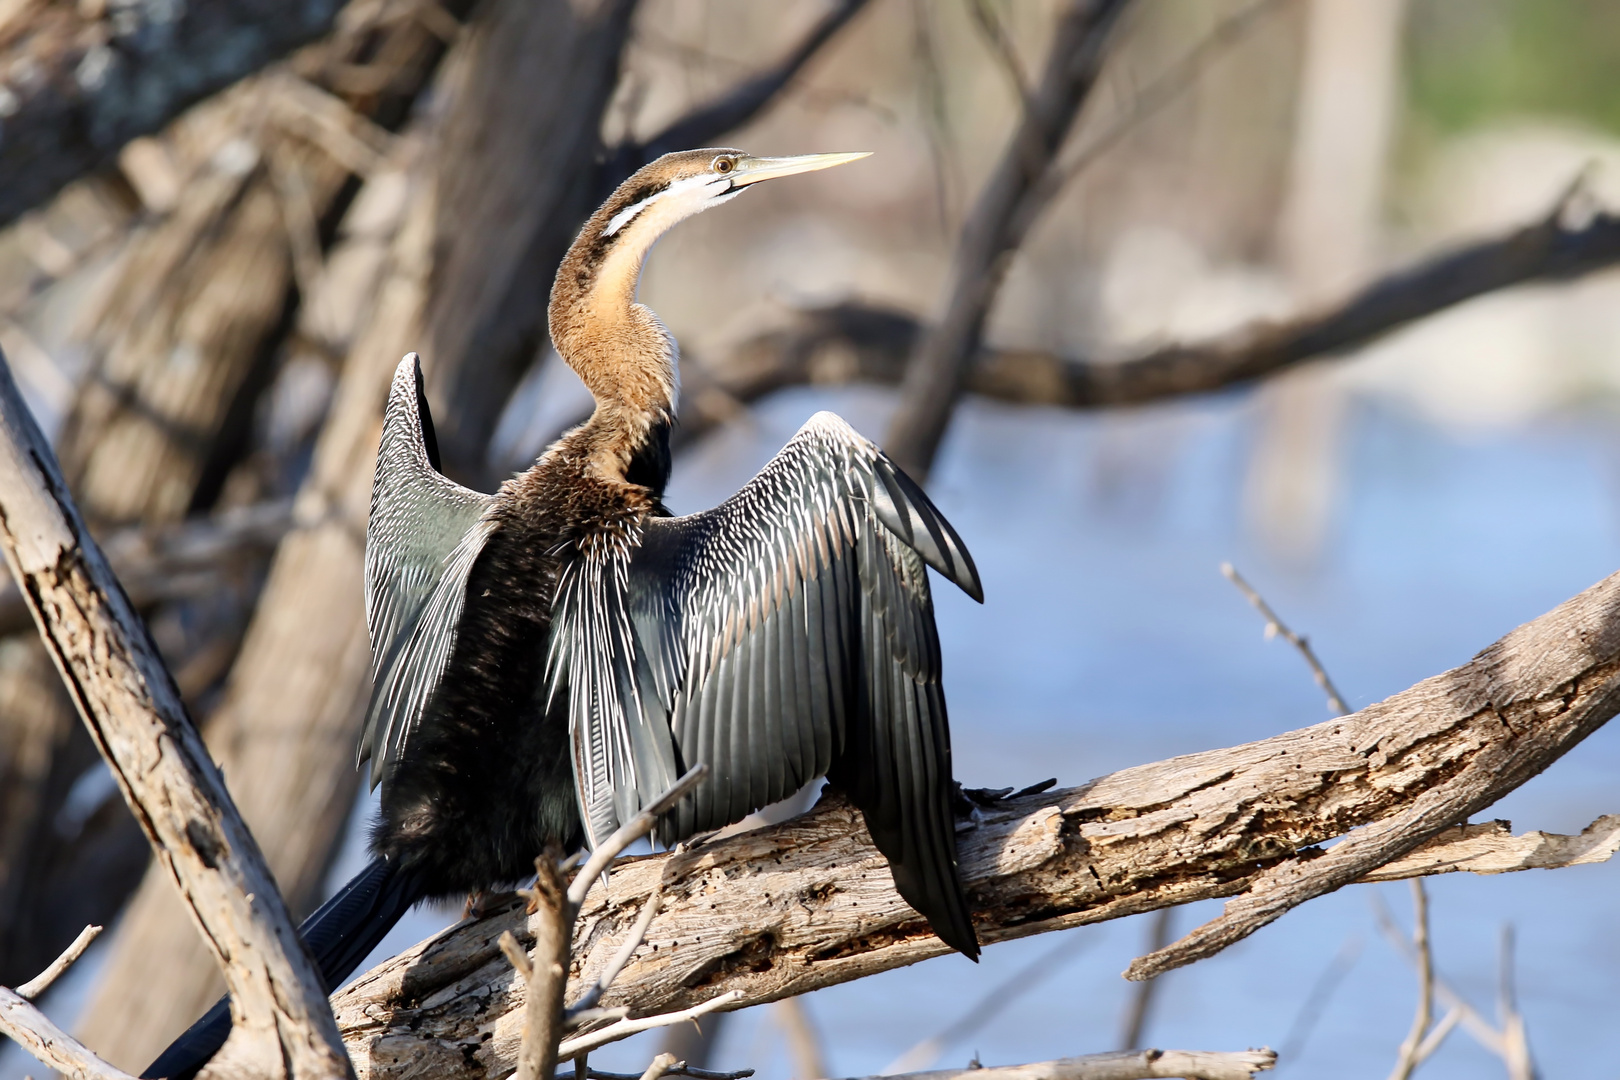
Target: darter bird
{"type": "Point", "coordinates": [550, 658]}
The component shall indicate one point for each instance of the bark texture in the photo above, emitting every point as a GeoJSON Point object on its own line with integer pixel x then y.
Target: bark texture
{"type": "Point", "coordinates": [78, 81]}
{"type": "Point", "coordinates": [181, 344]}
{"type": "Point", "coordinates": [134, 713]}
{"type": "Point", "coordinates": [809, 903]}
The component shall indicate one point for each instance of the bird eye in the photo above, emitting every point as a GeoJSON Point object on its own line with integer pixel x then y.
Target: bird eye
{"type": "Point", "coordinates": [723, 165]}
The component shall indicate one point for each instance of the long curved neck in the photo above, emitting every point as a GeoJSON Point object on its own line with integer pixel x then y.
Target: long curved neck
{"type": "Point", "coordinates": [620, 350]}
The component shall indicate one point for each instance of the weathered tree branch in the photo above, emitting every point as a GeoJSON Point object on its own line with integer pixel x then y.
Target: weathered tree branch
{"type": "Point", "coordinates": [847, 343]}
{"type": "Point", "coordinates": [1121, 1065]}
{"type": "Point", "coordinates": [42, 982]}
{"type": "Point", "coordinates": [134, 713]}
{"type": "Point", "coordinates": [33, 1030]}
{"type": "Point", "coordinates": [77, 81]}
{"type": "Point", "coordinates": [808, 903]}
{"type": "Point", "coordinates": [1000, 219]}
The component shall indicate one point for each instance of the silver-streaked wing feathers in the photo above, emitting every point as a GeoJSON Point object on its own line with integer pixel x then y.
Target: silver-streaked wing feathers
{"type": "Point", "coordinates": [424, 533]}
{"type": "Point", "coordinates": [789, 634]}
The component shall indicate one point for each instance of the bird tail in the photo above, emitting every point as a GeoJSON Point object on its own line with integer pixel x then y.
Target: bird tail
{"type": "Point", "coordinates": [340, 934]}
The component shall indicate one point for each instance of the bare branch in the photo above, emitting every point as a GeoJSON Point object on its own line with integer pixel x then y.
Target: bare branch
{"type": "Point", "coordinates": [1411, 1047]}
{"type": "Point", "coordinates": [736, 107]}
{"type": "Point", "coordinates": [34, 1032]}
{"type": "Point", "coordinates": [630, 832]}
{"type": "Point", "coordinates": [995, 228]}
{"type": "Point", "coordinates": [1121, 1065]}
{"type": "Point", "coordinates": [81, 80]}
{"type": "Point", "coordinates": [546, 977]}
{"type": "Point", "coordinates": [579, 1044]}
{"type": "Point", "coordinates": [851, 343]}
{"type": "Point", "coordinates": [42, 982]}
{"type": "Point", "coordinates": [1491, 848]}
{"type": "Point", "coordinates": [809, 903]}
{"type": "Point", "coordinates": [661, 1065]}
{"type": "Point", "coordinates": [677, 1070]}
{"type": "Point", "coordinates": [1515, 1037]}
{"type": "Point", "coordinates": [638, 934]}
{"type": "Point", "coordinates": [1141, 1006]}
{"type": "Point", "coordinates": [130, 705]}
{"type": "Point", "coordinates": [1275, 627]}
{"type": "Point", "coordinates": [1470, 1019]}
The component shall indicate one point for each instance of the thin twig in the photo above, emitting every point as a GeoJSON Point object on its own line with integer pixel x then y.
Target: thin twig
{"type": "Point", "coordinates": [1275, 627]}
{"type": "Point", "coordinates": [1141, 1006]}
{"type": "Point", "coordinates": [1515, 1037]}
{"type": "Point", "coordinates": [1001, 47]}
{"type": "Point", "coordinates": [1409, 1059]}
{"type": "Point", "coordinates": [1472, 1022]}
{"type": "Point", "coordinates": [632, 942]}
{"type": "Point", "coordinates": [630, 832]}
{"type": "Point", "coordinates": [660, 1066]}
{"type": "Point", "coordinates": [42, 982]}
{"type": "Point", "coordinates": [626, 1028]}
{"type": "Point", "coordinates": [999, 997]}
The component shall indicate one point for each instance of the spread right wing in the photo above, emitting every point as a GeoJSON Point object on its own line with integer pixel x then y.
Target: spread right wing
{"type": "Point", "coordinates": [423, 536]}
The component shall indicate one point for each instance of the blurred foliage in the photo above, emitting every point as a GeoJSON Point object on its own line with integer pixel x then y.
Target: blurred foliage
{"type": "Point", "coordinates": [1474, 61]}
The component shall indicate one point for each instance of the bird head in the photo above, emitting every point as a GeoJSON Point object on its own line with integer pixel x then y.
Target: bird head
{"type": "Point", "coordinates": [681, 184]}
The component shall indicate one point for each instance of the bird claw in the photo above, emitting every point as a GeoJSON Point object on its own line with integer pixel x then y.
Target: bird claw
{"type": "Point", "coordinates": [967, 800]}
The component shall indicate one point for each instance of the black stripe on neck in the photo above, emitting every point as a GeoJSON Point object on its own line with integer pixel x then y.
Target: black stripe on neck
{"type": "Point", "coordinates": [650, 464]}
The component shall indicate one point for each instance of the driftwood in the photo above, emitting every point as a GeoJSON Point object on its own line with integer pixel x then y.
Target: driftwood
{"type": "Point", "coordinates": [78, 81]}
{"type": "Point", "coordinates": [134, 713]}
{"type": "Point", "coordinates": [809, 903]}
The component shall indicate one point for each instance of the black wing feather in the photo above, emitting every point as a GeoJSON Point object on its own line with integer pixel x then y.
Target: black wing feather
{"type": "Point", "coordinates": [805, 646]}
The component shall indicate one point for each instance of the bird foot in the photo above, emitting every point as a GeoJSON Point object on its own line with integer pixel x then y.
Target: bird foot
{"type": "Point", "coordinates": [477, 905]}
{"type": "Point", "coordinates": [966, 800]}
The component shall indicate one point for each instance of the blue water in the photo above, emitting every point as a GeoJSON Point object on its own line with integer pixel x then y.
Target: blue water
{"type": "Point", "coordinates": [1108, 638]}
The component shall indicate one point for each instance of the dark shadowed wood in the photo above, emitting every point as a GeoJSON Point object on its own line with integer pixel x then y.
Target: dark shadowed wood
{"type": "Point", "coordinates": [809, 903]}
{"type": "Point", "coordinates": [80, 80]}
{"type": "Point", "coordinates": [134, 713]}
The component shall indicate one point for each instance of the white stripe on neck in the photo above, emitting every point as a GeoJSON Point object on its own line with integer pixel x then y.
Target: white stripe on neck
{"type": "Point", "coordinates": [628, 214]}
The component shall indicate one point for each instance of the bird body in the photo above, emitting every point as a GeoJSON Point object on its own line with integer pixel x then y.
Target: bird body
{"type": "Point", "coordinates": [550, 658]}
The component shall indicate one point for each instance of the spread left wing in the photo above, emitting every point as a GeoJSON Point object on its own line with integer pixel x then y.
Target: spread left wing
{"type": "Point", "coordinates": [423, 535]}
{"type": "Point", "coordinates": [785, 635]}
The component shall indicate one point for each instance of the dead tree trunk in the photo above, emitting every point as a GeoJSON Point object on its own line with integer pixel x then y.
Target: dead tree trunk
{"type": "Point", "coordinates": [285, 729]}
{"type": "Point", "coordinates": [133, 710]}
{"type": "Point", "coordinates": [181, 347]}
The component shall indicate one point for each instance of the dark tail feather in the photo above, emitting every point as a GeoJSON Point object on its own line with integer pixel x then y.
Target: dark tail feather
{"type": "Point", "coordinates": [339, 935]}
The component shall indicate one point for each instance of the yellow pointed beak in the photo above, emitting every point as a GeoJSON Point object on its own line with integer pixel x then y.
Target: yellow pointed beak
{"type": "Point", "coordinates": [751, 170]}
